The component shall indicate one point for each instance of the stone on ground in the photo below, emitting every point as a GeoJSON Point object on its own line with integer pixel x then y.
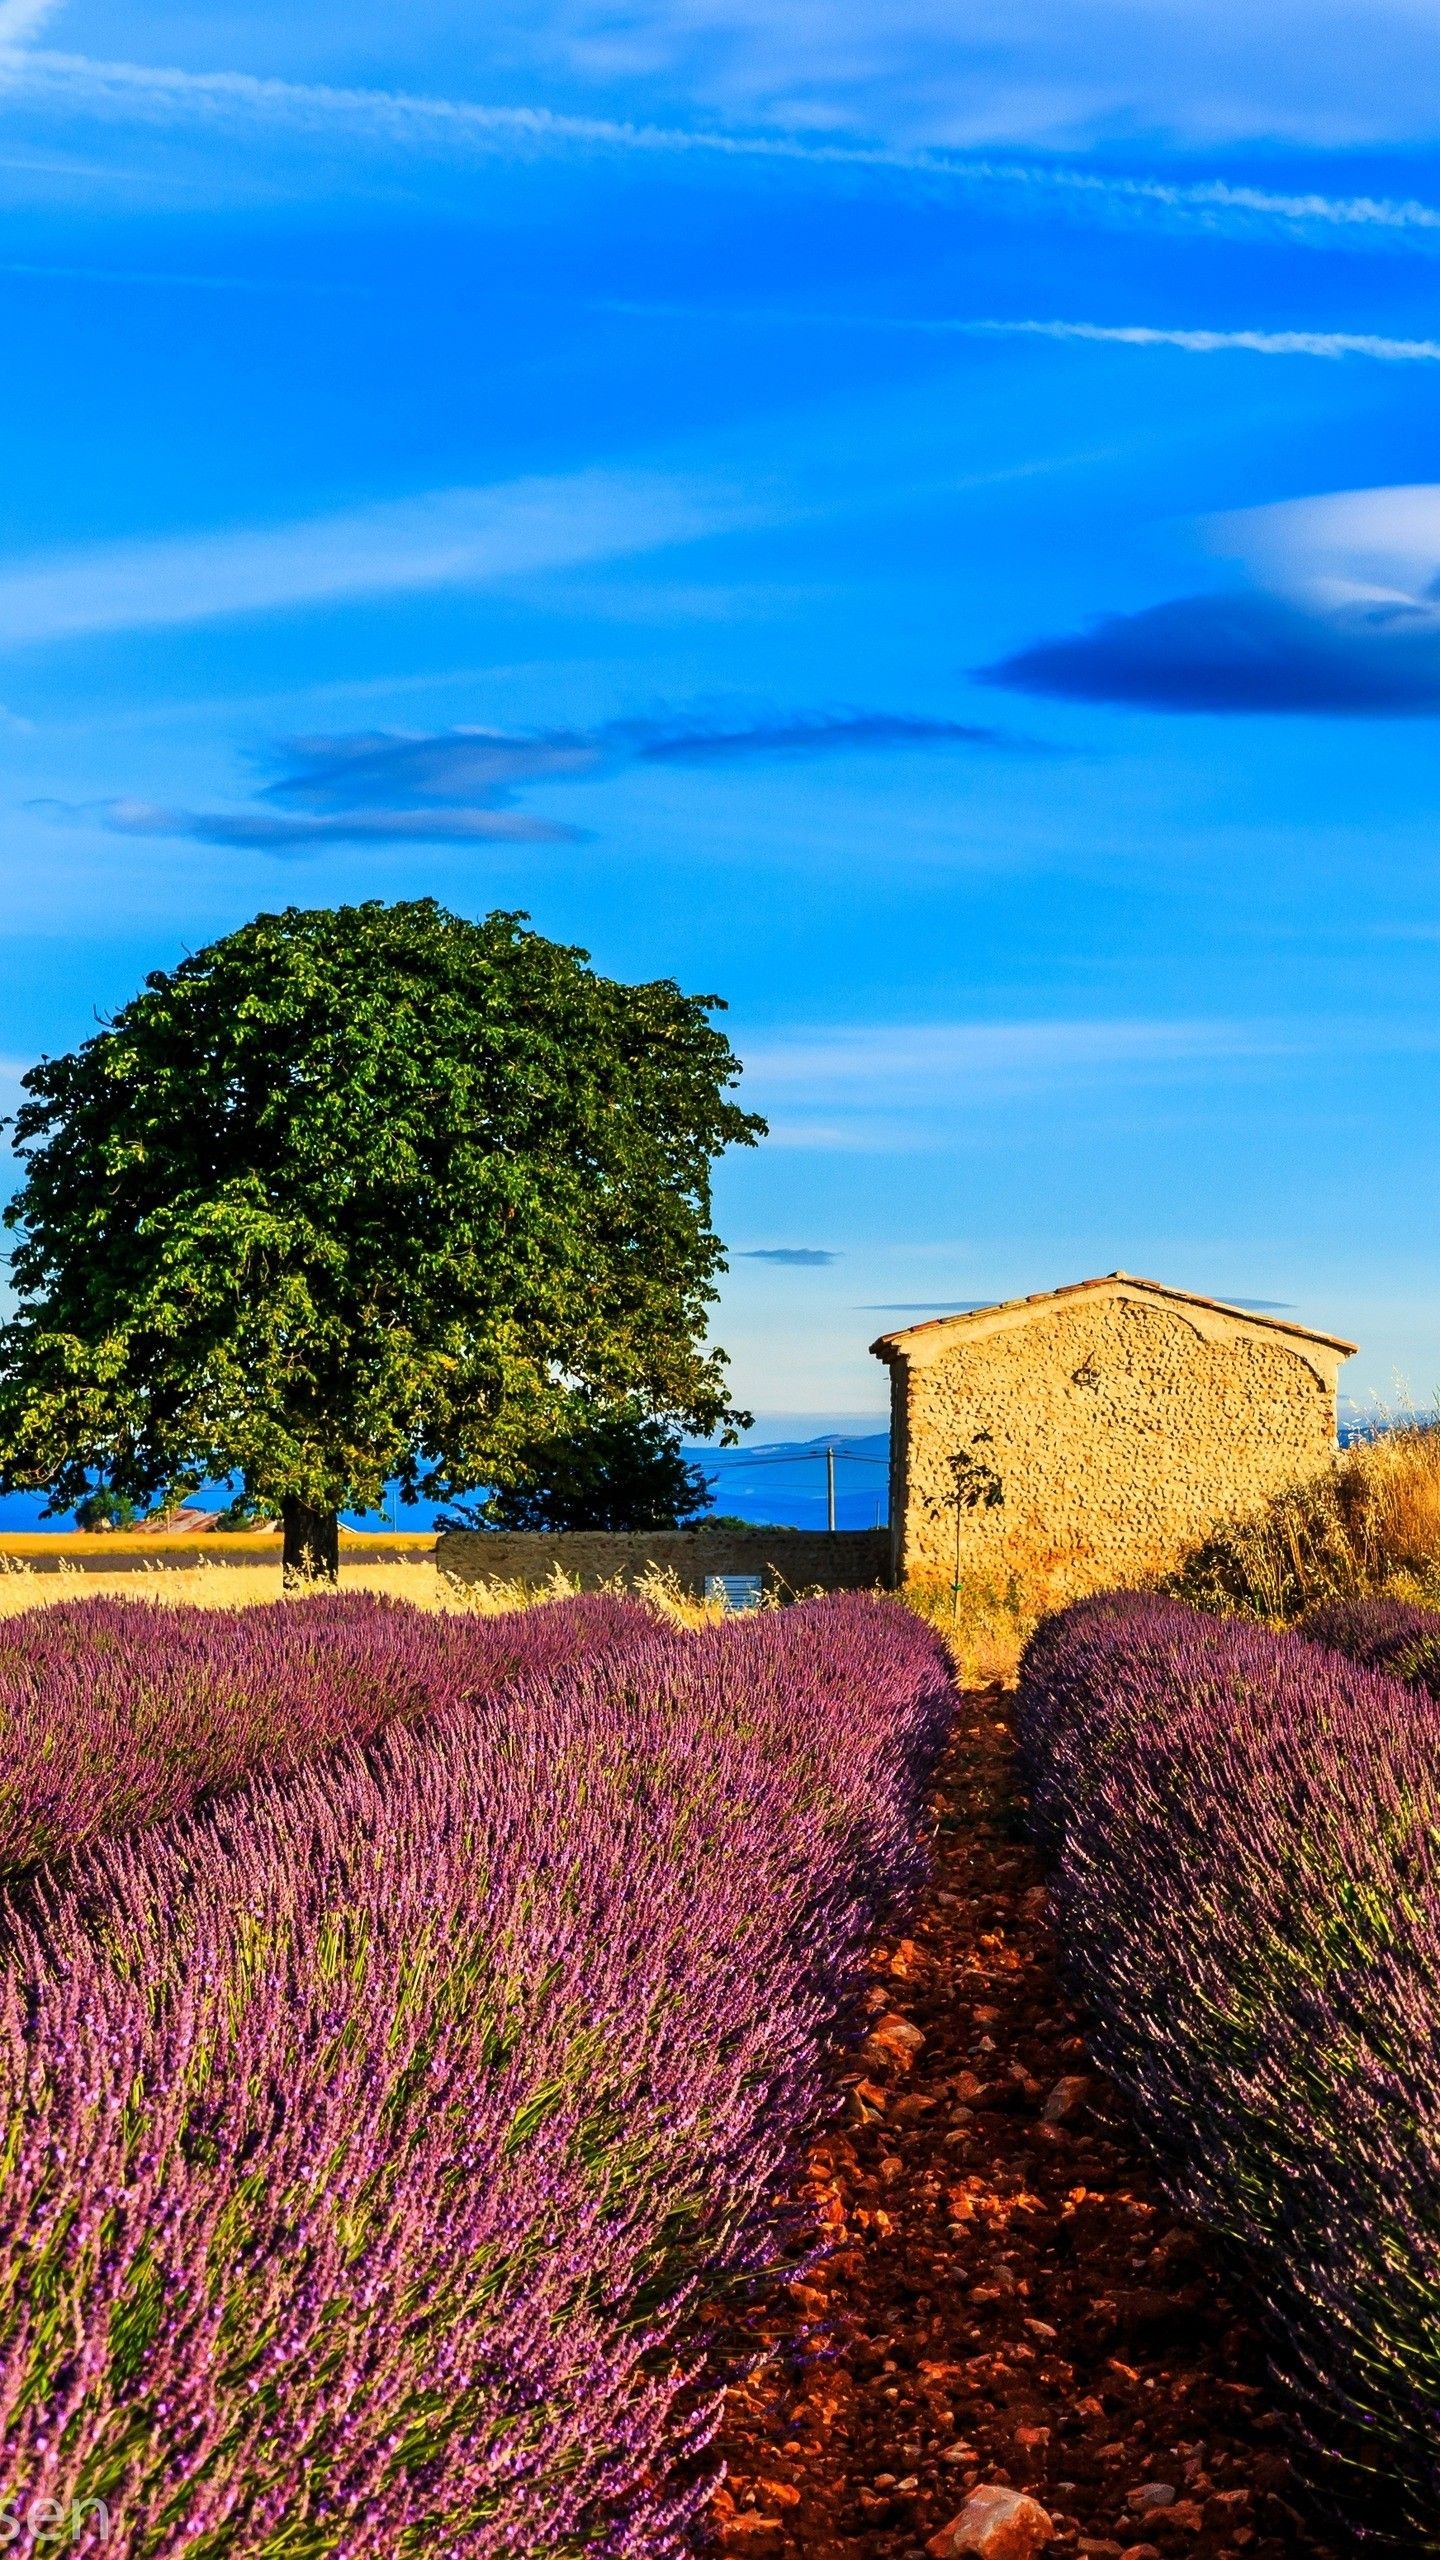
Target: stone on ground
{"type": "Point", "coordinates": [994, 2524]}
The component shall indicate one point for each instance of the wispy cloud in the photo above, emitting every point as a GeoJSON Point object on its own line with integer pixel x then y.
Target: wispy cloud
{"type": "Point", "coordinates": [260, 832]}
{"type": "Point", "coordinates": [454, 786]}
{"type": "Point", "coordinates": [802, 1257]}
{"type": "Point", "coordinates": [926, 1062]}
{"type": "Point", "coordinates": [1056, 72]}
{"type": "Point", "coordinates": [1342, 614]}
{"type": "Point", "coordinates": [22, 19]}
{"type": "Point", "coordinates": [800, 733]}
{"type": "Point", "coordinates": [1214, 201]}
{"type": "Point", "coordinates": [942, 1065]}
{"type": "Point", "coordinates": [448, 537]}
{"type": "Point", "coordinates": [379, 768]}
{"type": "Point", "coordinates": [1331, 344]}
{"type": "Point", "coordinates": [453, 764]}
{"type": "Point", "coordinates": [405, 117]}
{"type": "Point", "coordinates": [398, 119]}
{"type": "Point", "coordinates": [1328, 343]}
{"type": "Point", "coordinates": [884, 1088]}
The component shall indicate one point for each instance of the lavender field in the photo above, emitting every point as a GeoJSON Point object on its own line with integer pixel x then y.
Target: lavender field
{"type": "Point", "coordinates": [116, 1713]}
{"type": "Point", "coordinates": [409, 2049]}
{"type": "Point", "coordinates": [1246, 1835]}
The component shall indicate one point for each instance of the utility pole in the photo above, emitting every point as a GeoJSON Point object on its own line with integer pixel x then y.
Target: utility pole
{"type": "Point", "coordinates": [830, 1489]}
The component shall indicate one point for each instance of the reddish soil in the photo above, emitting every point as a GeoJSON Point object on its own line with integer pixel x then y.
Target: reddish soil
{"type": "Point", "coordinates": [1008, 2297]}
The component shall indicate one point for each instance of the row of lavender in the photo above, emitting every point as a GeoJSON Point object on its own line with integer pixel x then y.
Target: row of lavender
{"type": "Point", "coordinates": [115, 1714]}
{"type": "Point", "coordinates": [1246, 1832]}
{"type": "Point", "coordinates": [379, 2132]}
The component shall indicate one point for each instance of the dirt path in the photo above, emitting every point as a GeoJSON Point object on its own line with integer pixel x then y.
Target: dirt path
{"type": "Point", "coordinates": [1009, 2299]}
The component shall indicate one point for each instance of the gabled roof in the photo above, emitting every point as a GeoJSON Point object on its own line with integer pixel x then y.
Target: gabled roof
{"type": "Point", "coordinates": [925, 1340]}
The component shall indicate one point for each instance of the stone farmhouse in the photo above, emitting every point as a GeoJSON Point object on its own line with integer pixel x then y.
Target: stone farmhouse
{"type": "Point", "coordinates": [1092, 1433]}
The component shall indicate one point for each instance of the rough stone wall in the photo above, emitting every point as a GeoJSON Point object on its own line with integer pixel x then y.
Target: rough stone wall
{"type": "Point", "coordinates": [787, 1559]}
{"type": "Point", "coordinates": [1122, 1430]}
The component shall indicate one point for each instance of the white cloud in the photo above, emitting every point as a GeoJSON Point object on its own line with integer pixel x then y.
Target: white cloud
{"type": "Point", "coordinates": [1366, 556]}
{"type": "Point", "coordinates": [1341, 615]}
{"type": "Point", "coordinates": [449, 537]}
{"type": "Point", "coordinates": [21, 19]}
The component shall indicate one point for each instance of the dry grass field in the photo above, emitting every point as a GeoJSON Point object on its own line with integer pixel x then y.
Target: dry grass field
{"type": "Point", "coordinates": [216, 1572]}
{"type": "Point", "coordinates": [35, 1573]}
{"type": "Point", "coordinates": [200, 1586]}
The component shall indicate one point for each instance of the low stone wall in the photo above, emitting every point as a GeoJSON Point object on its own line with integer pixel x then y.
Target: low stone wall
{"type": "Point", "coordinates": [787, 1559]}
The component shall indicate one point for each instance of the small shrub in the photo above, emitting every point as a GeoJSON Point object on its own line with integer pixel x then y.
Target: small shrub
{"type": "Point", "coordinates": [1370, 1524]}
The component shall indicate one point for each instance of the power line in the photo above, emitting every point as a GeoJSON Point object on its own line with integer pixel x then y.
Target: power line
{"type": "Point", "coordinates": [795, 1457]}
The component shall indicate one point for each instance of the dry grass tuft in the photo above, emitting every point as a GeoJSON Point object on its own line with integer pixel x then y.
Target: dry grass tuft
{"type": "Point", "coordinates": [1371, 1525]}
{"type": "Point", "coordinates": [988, 1620]}
{"type": "Point", "coordinates": [658, 1587]}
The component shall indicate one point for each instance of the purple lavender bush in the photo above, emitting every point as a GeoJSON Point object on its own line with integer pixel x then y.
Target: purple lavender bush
{"type": "Point", "coordinates": [379, 2134]}
{"type": "Point", "coordinates": [1247, 1889]}
{"type": "Point", "coordinates": [1389, 1635]}
{"type": "Point", "coordinates": [116, 1713]}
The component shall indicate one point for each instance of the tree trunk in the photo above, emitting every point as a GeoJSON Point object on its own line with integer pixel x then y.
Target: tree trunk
{"type": "Point", "coordinates": [312, 1546]}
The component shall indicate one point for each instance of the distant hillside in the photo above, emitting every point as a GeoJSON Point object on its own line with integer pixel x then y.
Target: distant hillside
{"type": "Point", "coordinates": [776, 1480]}
{"type": "Point", "coordinates": [784, 1481]}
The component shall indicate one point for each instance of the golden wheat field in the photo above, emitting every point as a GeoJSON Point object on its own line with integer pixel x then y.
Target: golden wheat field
{"type": "Point", "coordinates": [245, 1586]}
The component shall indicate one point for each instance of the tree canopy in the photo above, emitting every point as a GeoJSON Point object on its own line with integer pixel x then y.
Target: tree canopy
{"type": "Point", "coordinates": [362, 1193]}
{"type": "Point", "coordinates": [609, 1467]}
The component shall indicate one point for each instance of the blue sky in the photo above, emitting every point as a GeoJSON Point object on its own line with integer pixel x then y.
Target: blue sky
{"type": "Point", "coordinates": [933, 535]}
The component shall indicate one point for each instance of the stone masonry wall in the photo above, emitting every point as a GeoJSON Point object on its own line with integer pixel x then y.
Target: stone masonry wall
{"type": "Point", "coordinates": [787, 1559]}
{"type": "Point", "coordinates": [1121, 1430]}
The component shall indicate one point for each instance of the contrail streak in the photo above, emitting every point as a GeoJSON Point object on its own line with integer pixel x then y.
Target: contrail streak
{"type": "Point", "coordinates": [1205, 342]}
{"type": "Point", "coordinates": [1327, 343]}
{"type": "Point", "coordinates": [401, 115]}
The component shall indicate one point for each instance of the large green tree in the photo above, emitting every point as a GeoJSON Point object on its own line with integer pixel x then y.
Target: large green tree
{"type": "Point", "coordinates": [610, 1466]}
{"type": "Point", "coordinates": [359, 1193]}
